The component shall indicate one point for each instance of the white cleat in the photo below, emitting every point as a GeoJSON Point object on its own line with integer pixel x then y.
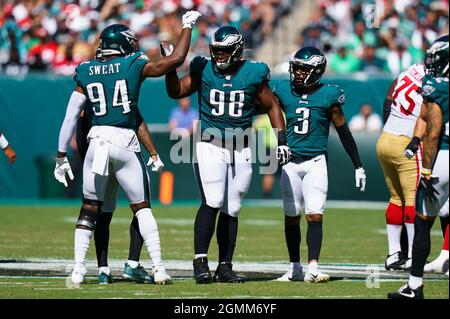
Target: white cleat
{"type": "Point", "coordinates": [162, 277]}
{"type": "Point", "coordinates": [446, 273]}
{"type": "Point", "coordinates": [437, 265]}
{"type": "Point", "coordinates": [293, 274]}
{"type": "Point", "coordinates": [78, 275]}
{"type": "Point", "coordinates": [317, 277]}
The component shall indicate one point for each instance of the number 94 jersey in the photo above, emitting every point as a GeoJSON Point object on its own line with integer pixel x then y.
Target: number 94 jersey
{"type": "Point", "coordinates": [228, 101]}
{"type": "Point", "coordinates": [112, 89]}
{"type": "Point", "coordinates": [308, 117]}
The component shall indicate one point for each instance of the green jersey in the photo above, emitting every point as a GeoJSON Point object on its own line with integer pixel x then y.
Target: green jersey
{"type": "Point", "coordinates": [228, 101]}
{"type": "Point", "coordinates": [308, 117]}
{"type": "Point", "coordinates": [436, 90]}
{"type": "Point", "coordinates": [112, 89]}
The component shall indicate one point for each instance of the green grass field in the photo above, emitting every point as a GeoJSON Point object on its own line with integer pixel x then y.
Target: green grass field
{"type": "Point", "coordinates": [350, 236]}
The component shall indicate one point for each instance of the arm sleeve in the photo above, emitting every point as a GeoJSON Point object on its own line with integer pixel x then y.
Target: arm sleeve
{"type": "Point", "coordinates": [349, 144]}
{"type": "Point", "coordinates": [73, 111]}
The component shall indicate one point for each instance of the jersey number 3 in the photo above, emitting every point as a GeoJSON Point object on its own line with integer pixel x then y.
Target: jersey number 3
{"type": "Point", "coordinates": [303, 119]}
{"type": "Point", "coordinates": [97, 96]}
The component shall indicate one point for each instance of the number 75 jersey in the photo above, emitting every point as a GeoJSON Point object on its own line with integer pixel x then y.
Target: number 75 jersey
{"type": "Point", "coordinates": [406, 102]}
{"type": "Point", "coordinates": [228, 101]}
{"type": "Point", "coordinates": [112, 89]}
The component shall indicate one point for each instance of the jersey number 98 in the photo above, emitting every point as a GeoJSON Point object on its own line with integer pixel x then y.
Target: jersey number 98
{"type": "Point", "coordinates": [235, 104]}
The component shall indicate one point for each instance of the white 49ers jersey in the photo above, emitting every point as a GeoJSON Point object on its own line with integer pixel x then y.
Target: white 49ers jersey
{"type": "Point", "coordinates": [406, 102]}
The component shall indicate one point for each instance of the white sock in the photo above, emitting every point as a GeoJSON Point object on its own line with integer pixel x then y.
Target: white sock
{"type": "Point", "coordinates": [410, 231]}
{"type": "Point", "coordinates": [313, 267]}
{"type": "Point", "coordinates": [82, 241]}
{"type": "Point", "coordinates": [393, 233]}
{"type": "Point", "coordinates": [414, 282]}
{"type": "Point", "coordinates": [200, 256]}
{"type": "Point", "coordinates": [132, 263]}
{"type": "Point", "coordinates": [106, 270]}
{"type": "Point", "coordinates": [149, 232]}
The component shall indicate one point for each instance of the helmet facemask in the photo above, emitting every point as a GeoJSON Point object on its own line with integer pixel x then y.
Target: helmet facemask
{"type": "Point", "coordinates": [436, 58]}
{"type": "Point", "coordinates": [225, 55]}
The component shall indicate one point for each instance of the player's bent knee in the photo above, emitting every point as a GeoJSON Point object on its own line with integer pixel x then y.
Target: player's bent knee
{"type": "Point", "coordinates": [135, 207]}
{"type": "Point", "coordinates": [314, 217]}
{"type": "Point", "coordinates": [87, 218]}
{"type": "Point", "coordinates": [214, 202]}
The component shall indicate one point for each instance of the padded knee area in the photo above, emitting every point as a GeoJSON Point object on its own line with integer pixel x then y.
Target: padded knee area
{"type": "Point", "coordinates": [394, 214]}
{"type": "Point", "coordinates": [87, 219]}
{"type": "Point", "coordinates": [138, 206]}
{"type": "Point", "coordinates": [291, 221]}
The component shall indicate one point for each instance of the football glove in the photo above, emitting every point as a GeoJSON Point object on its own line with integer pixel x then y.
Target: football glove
{"type": "Point", "coordinates": [62, 167]}
{"type": "Point", "coordinates": [360, 177]}
{"type": "Point", "coordinates": [189, 18]}
{"type": "Point", "coordinates": [157, 166]}
{"type": "Point", "coordinates": [426, 186]}
{"type": "Point", "coordinates": [283, 154]}
{"type": "Point", "coordinates": [166, 51]}
{"type": "Point", "coordinates": [412, 148]}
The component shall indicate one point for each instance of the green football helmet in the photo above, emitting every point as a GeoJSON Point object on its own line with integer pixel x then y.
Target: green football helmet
{"type": "Point", "coordinates": [307, 67]}
{"type": "Point", "coordinates": [436, 59]}
{"type": "Point", "coordinates": [117, 39]}
{"type": "Point", "coordinates": [227, 47]}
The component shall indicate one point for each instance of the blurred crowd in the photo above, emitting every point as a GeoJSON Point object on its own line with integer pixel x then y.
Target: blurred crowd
{"type": "Point", "coordinates": [373, 35]}
{"type": "Point", "coordinates": [56, 35]}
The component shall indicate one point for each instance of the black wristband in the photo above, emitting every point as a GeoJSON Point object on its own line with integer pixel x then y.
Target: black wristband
{"type": "Point", "coordinates": [416, 140]}
{"type": "Point", "coordinates": [282, 140]}
{"type": "Point", "coordinates": [349, 144]}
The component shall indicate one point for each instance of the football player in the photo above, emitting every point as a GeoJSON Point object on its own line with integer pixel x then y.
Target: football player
{"type": "Point", "coordinates": [110, 86]}
{"type": "Point", "coordinates": [133, 270]}
{"type": "Point", "coordinates": [432, 191]}
{"type": "Point", "coordinates": [310, 107]}
{"type": "Point", "coordinates": [402, 108]}
{"type": "Point", "coordinates": [7, 149]}
{"type": "Point", "coordinates": [228, 89]}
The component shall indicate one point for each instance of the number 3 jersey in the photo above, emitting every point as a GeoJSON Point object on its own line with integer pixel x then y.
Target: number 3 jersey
{"type": "Point", "coordinates": [406, 102]}
{"type": "Point", "coordinates": [228, 101]}
{"type": "Point", "coordinates": [308, 117]}
{"type": "Point", "coordinates": [112, 90]}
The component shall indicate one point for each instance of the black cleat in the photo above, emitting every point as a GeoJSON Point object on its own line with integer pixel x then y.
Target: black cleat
{"type": "Point", "coordinates": [225, 273]}
{"type": "Point", "coordinates": [395, 261]}
{"type": "Point", "coordinates": [201, 271]}
{"type": "Point", "coordinates": [406, 292]}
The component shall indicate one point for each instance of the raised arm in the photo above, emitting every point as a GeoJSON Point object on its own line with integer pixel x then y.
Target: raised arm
{"type": "Point", "coordinates": [169, 63]}
{"type": "Point", "coordinates": [178, 88]}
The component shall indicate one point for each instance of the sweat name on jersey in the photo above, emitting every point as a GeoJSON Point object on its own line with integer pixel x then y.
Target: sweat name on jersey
{"type": "Point", "coordinates": [308, 117]}
{"type": "Point", "coordinates": [104, 69]}
{"type": "Point", "coordinates": [228, 101]}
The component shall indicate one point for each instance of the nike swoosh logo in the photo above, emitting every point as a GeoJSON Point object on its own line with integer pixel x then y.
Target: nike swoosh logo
{"type": "Point", "coordinates": [410, 295]}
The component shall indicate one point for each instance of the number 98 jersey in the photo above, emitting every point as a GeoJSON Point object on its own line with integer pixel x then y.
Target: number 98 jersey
{"type": "Point", "coordinates": [112, 89]}
{"type": "Point", "coordinates": [308, 117]}
{"type": "Point", "coordinates": [228, 101]}
{"type": "Point", "coordinates": [406, 102]}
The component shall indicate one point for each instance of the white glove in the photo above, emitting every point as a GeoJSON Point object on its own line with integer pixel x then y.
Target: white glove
{"type": "Point", "coordinates": [157, 166]}
{"type": "Point", "coordinates": [62, 167]}
{"type": "Point", "coordinates": [166, 51]}
{"type": "Point", "coordinates": [283, 154]}
{"type": "Point", "coordinates": [189, 18]}
{"type": "Point", "coordinates": [360, 176]}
